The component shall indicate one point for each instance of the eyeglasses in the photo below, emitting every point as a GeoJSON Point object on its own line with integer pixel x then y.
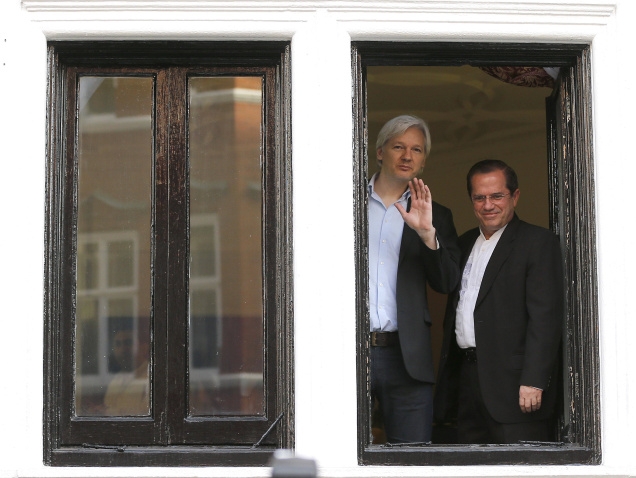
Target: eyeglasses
{"type": "Point", "coordinates": [494, 198]}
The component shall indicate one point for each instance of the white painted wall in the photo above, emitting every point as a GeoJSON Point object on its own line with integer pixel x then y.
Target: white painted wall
{"type": "Point", "coordinates": [321, 32]}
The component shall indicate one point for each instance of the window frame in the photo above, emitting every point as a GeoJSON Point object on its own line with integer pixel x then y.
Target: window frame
{"type": "Point", "coordinates": [572, 216]}
{"type": "Point", "coordinates": [150, 441]}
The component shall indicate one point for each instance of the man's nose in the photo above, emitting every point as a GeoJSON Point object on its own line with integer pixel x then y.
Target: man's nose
{"type": "Point", "coordinates": [488, 202]}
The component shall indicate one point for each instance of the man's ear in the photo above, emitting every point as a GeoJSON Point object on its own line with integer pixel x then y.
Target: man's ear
{"type": "Point", "coordinates": [515, 197]}
{"type": "Point", "coordinates": [378, 155]}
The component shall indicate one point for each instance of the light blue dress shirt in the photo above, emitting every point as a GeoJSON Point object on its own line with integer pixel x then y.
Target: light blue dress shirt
{"type": "Point", "coordinates": [385, 236]}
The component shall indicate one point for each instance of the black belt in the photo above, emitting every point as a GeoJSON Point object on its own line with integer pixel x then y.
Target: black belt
{"type": "Point", "coordinates": [469, 354]}
{"type": "Point", "coordinates": [384, 339]}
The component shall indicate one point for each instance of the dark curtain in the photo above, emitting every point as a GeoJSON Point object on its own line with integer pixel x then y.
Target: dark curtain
{"type": "Point", "coordinates": [521, 75]}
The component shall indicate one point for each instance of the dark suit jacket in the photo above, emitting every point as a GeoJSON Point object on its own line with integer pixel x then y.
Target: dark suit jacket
{"type": "Point", "coordinates": [518, 323]}
{"type": "Point", "coordinates": [419, 265]}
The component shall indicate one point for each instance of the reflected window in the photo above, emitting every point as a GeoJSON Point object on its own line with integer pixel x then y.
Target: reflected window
{"type": "Point", "coordinates": [114, 162]}
{"type": "Point", "coordinates": [111, 329]}
{"type": "Point", "coordinates": [226, 306]}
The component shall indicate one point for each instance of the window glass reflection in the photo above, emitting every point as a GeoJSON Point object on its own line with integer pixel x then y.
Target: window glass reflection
{"type": "Point", "coordinates": [113, 247]}
{"type": "Point", "coordinates": [226, 307]}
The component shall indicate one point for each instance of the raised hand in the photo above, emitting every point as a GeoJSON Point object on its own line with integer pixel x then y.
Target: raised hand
{"type": "Point", "coordinates": [420, 215]}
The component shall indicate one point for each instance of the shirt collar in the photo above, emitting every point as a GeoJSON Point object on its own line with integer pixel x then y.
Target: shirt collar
{"type": "Point", "coordinates": [404, 197]}
{"type": "Point", "coordinates": [495, 235]}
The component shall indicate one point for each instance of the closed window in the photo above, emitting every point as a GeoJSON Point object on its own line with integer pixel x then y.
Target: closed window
{"type": "Point", "coordinates": [169, 317]}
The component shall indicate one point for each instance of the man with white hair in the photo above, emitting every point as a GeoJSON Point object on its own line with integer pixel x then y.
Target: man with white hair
{"type": "Point", "coordinates": [412, 243]}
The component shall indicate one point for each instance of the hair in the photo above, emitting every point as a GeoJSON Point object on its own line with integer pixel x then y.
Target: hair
{"type": "Point", "coordinates": [488, 166]}
{"type": "Point", "coordinates": [398, 126]}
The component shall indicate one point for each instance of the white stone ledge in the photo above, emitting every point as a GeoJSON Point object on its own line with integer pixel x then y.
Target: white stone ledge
{"type": "Point", "coordinates": [354, 472]}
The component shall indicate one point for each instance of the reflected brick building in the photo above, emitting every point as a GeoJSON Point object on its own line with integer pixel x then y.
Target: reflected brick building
{"type": "Point", "coordinates": [115, 241]}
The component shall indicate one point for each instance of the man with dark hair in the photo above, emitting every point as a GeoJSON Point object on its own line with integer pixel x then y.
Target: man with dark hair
{"type": "Point", "coordinates": [412, 243]}
{"type": "Point", "coordinates": [503, 325]}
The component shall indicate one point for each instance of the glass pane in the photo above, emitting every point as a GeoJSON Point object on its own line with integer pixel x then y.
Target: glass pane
{"type": "Point", "coordinates": [120, 263]}
{"type": "Point", "coordinates": [226, 292]}
{"type": "Point", "coordinates": [113, 241]}
{"type": "Point", "coordinates": [87, 269]}
{"type": "Point", "coordinates": [203, 251]}
{"type": "Point", "coordinates": [203, 329]}
{"type": "Point", "coordinates": [88, 333]}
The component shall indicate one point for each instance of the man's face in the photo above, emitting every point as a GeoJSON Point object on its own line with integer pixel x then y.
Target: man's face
{"type": "Point", "coordinates": [403, 156]}
{"type": "Point", "coordinates": [123, 349]}
{"type": "Point", "coordinates": [492, 213]}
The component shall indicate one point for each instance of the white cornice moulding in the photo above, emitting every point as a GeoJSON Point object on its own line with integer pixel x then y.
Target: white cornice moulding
{"type": "Point", "coordinates": [280, 19]}
{"type": "Point", "coordinates": [341, 9]}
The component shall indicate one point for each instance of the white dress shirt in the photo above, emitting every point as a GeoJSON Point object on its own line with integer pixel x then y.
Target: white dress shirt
{"type": "Point", "coordinates": [471, 283]}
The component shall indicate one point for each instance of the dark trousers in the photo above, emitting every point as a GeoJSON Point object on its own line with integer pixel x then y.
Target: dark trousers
{"type": "Point", "coordinates": [474, 423]}
{"type": "Point", "coordinates": [406, 404]}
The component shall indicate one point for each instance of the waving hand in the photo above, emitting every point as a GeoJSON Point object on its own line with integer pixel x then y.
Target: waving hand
{"type": "Point", "coordinates": [420, 215]}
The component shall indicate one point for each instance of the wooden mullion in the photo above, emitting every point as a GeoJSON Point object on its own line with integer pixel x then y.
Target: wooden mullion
{"type": "Point", "coordinates": [67, 167]}
{"type": "Point", "coordinates": [160, 265]}
{"type": "Point", "coordinates": [272, 281]}
{"type": "Point", "coordinates": [177, 283]}
{"type": "Point", "coordinates": [360, 168]}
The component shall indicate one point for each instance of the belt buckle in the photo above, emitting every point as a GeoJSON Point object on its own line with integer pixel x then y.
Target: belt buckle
{"type": "Point", "coordinates": [374, 339]}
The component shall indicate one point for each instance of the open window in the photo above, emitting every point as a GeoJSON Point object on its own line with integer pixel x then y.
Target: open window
{"type": "Point", "coordinates": [390, 79]}
{"type": "Point", "coordinates": [168, 296]}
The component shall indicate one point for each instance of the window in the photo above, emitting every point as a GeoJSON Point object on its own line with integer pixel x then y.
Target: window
{"type": "Point", "coordinates": [570, 211]}
{"type": "Point", "coordinates": [168, 263]}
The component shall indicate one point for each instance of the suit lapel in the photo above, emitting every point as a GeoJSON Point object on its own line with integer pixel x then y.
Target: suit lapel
{"type": "Point", "coordinates": [466, 243]}
{"type": "Point", "coordinates": [466, 247]}
{"type": "Point", "coordinates": [499, 256]}
{"type": "Point", "coordinates": [408, 235]}
{"type": "Point", "coordinates": [410, 239]}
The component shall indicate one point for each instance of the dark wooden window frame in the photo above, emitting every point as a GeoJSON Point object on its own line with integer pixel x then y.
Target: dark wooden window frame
{"type": "Point", "coordinates": [168, 437]}
{"type": "Point", "coordinates": [572, 216]}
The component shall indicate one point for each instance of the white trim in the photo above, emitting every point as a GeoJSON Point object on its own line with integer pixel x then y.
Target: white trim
{"type": "Point", "coordinates": [297, 8]}
{"type": "Point", "coordinates": [404, 20]}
